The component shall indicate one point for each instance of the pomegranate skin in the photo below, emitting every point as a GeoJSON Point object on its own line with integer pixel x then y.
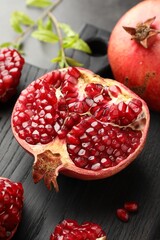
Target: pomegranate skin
{"type": "Point", "coordinates": [132, 64]}
{"type": "Point", "coordinates": [54, 157]}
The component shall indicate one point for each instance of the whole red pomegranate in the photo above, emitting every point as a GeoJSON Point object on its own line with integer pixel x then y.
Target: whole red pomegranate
{"type": "Point", "coordinates": [134, 51]}
{"type": "Point", "coordinates": [77, 123]}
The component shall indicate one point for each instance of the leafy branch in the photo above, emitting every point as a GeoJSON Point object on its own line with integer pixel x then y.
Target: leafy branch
{"type": "Point", "coordinates": [46, 29]}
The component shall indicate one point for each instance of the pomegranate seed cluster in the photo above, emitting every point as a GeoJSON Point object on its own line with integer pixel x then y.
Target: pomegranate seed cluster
{"type": "Point", "coordinates": [94, 145]}
{"type": "Point", "coordinates": [94, 119]}
{"type": "Point", "coordinates": [36, 113]}
{"type": "Point", "coordinates": [70, 229]}
{"type": "Point", "coordinates": [11, 202]}
{"type": "Point", "coordinates": [11, 63]}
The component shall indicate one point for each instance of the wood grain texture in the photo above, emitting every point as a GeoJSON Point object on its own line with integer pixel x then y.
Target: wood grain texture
{"type": "Point", "coordinates": [85, 200]}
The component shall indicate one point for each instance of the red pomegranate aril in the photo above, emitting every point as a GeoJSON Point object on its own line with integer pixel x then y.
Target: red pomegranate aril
{"type": "Point", "coordinates": [115, 91]}
{"type": "Point", "coordinates": [80, 162]}
{"type": "Point", "coordinates": [68, 87]}
{"type": "Point", "coordinates": [55, 77]}
{"type": "Point", "coordinates": [30, 140]}
{"type": "Point", "coordinates": [62, 133]}
{"type": "Point", "coordinates": [72, 80]}
{"type": "Point", "coordinates": [70, 230]}
{"type": "Point", "coordinates": [84, 138]}
{"type": "Point", "coordinates": [72, 139]}
{"type": "Point", "coordinates": [78, 131]}
{"type": "Point", "coordinates": [92, 160]}
{"type": "Point", "coordinates": [74, 72]}
{"type": "Point", "coordinates": [106, 162]}
{"type": "Point", "coordinates": [96, 167]}
{"type": "Point", "coordinates": [22, 134]}
{"type": "Point", "coordinates": [103, 126]}
{"type": "Point", "coordinates": [131, 206]}
{"type": "Point", "coordinates": [73, 149]}
{"type": "Point", "coordinates": [122, 108]}
{"type": "Point", "coordinates": [135, 105]}
{"type": "Point", "coordinates": [122, 214]}
{"type": "Point", "coordinates": [36, 135]}
{"type": "Point", "coordinates": [69, 121]}
{"type": "Point", "coordinates": [90, 131]}
{"type": "Point", "coordinates": [93, 90]}
{"type": "Point", "coordinates": [7, 80]}
{"type": "Point", "coordinates": [26, 124]}
{"type": "Point", "coordinates": [98, 113]}
{"type": "Point", "coordinates": [96, 139]}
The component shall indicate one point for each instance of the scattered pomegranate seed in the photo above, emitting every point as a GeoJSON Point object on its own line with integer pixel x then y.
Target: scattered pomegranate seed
{"type": "Point", "coordinates": [11, 64]}
{"type": "Point", "coordinates": [70, 230]}
{"type": "Point", "coordinates": [122, 214]}
{"type": "Point", "coordinates": [131, 206]}
{"type": "Point", "coordinates": [11, 202]}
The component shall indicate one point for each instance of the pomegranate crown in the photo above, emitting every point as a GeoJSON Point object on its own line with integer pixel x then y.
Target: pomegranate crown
{"type": "Point", "coordinates": [142, 32]}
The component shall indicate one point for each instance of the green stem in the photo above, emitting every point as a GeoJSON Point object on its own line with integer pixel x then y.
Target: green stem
{"type": "Point", "coordinates": [20, 39]}
{"type": "Point", "coordinates": [55, 22]}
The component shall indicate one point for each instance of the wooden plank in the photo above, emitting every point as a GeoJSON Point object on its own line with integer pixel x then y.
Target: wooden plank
{"type": "Point", "coordinates": [85, 200]}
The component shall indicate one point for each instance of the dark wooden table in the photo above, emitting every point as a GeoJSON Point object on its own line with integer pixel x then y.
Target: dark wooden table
{"type": "Point", "coordinates": [83, 200]}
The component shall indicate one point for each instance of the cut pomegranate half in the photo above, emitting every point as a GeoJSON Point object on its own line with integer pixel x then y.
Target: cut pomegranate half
{"type": "Point", "coordinates": [77, 123]}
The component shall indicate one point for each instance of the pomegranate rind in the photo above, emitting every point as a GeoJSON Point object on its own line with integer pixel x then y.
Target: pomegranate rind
{"type": "Point", "coordinates": [63, 163]}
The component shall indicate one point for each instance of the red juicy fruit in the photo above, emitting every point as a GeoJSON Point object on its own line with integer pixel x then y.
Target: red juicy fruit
{"type": "Point", "coordinates": [122, 214]}
{"type": "Point", "coordinates": [134, 55]}
{"type": "Point", "coordinates": [131, 206]}
{"type": "Point", "coordinates": [11, 64]}
{"type": "Point", "coordinates": [11, 203]}
{"type": "Point", "coordinates": [77, 123]}
{"type": "Point", "coordinates": [70, 230]}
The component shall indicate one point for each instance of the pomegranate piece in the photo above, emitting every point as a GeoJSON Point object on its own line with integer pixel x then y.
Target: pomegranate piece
{"type": "Point", "coordinates": [70, 229]}
{"type": "Point", "coordinates": [11, 64]}
{"type": "Point", "coordinates": [11, 203]}
{"type": "Point", "coordinates": [131, 206]}
{"type": "Point", "coordinates": [77, 123]}
{"type": "Point", "coordinates": [122, 214]}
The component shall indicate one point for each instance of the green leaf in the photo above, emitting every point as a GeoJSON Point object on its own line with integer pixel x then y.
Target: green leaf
{"type": "Point", "coordinates": [15, 24]}
{"type": "Point", "coordinates": [68, 42]}
{"type": "Point", "coordinates": [72, 39]}
{"type": "Point", "coordinates": [73, 62]}
{"type": "Point", "coordinates": [56, 59]}
{"type": "Point", "coordinates": [39, 3]}
{"type": "Point", "coordinates": [61, 62]}
{"type": "Point", "coordinates": [65, 61]}
{"type": "Point", "coordinates": [47, 25]}
{"type": "Point", "coordinates": [67, 29]}
{"type": "Point", "coordinates": [81, 46]}
{"type": "Point", "coordinates": [40, 25]}
{"type": "Point", "coordinates": [45, 35]}
{"type": "Point", "coordinates": [19, 18]}
{"type": "Point", "coordinates": [6, 44]}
